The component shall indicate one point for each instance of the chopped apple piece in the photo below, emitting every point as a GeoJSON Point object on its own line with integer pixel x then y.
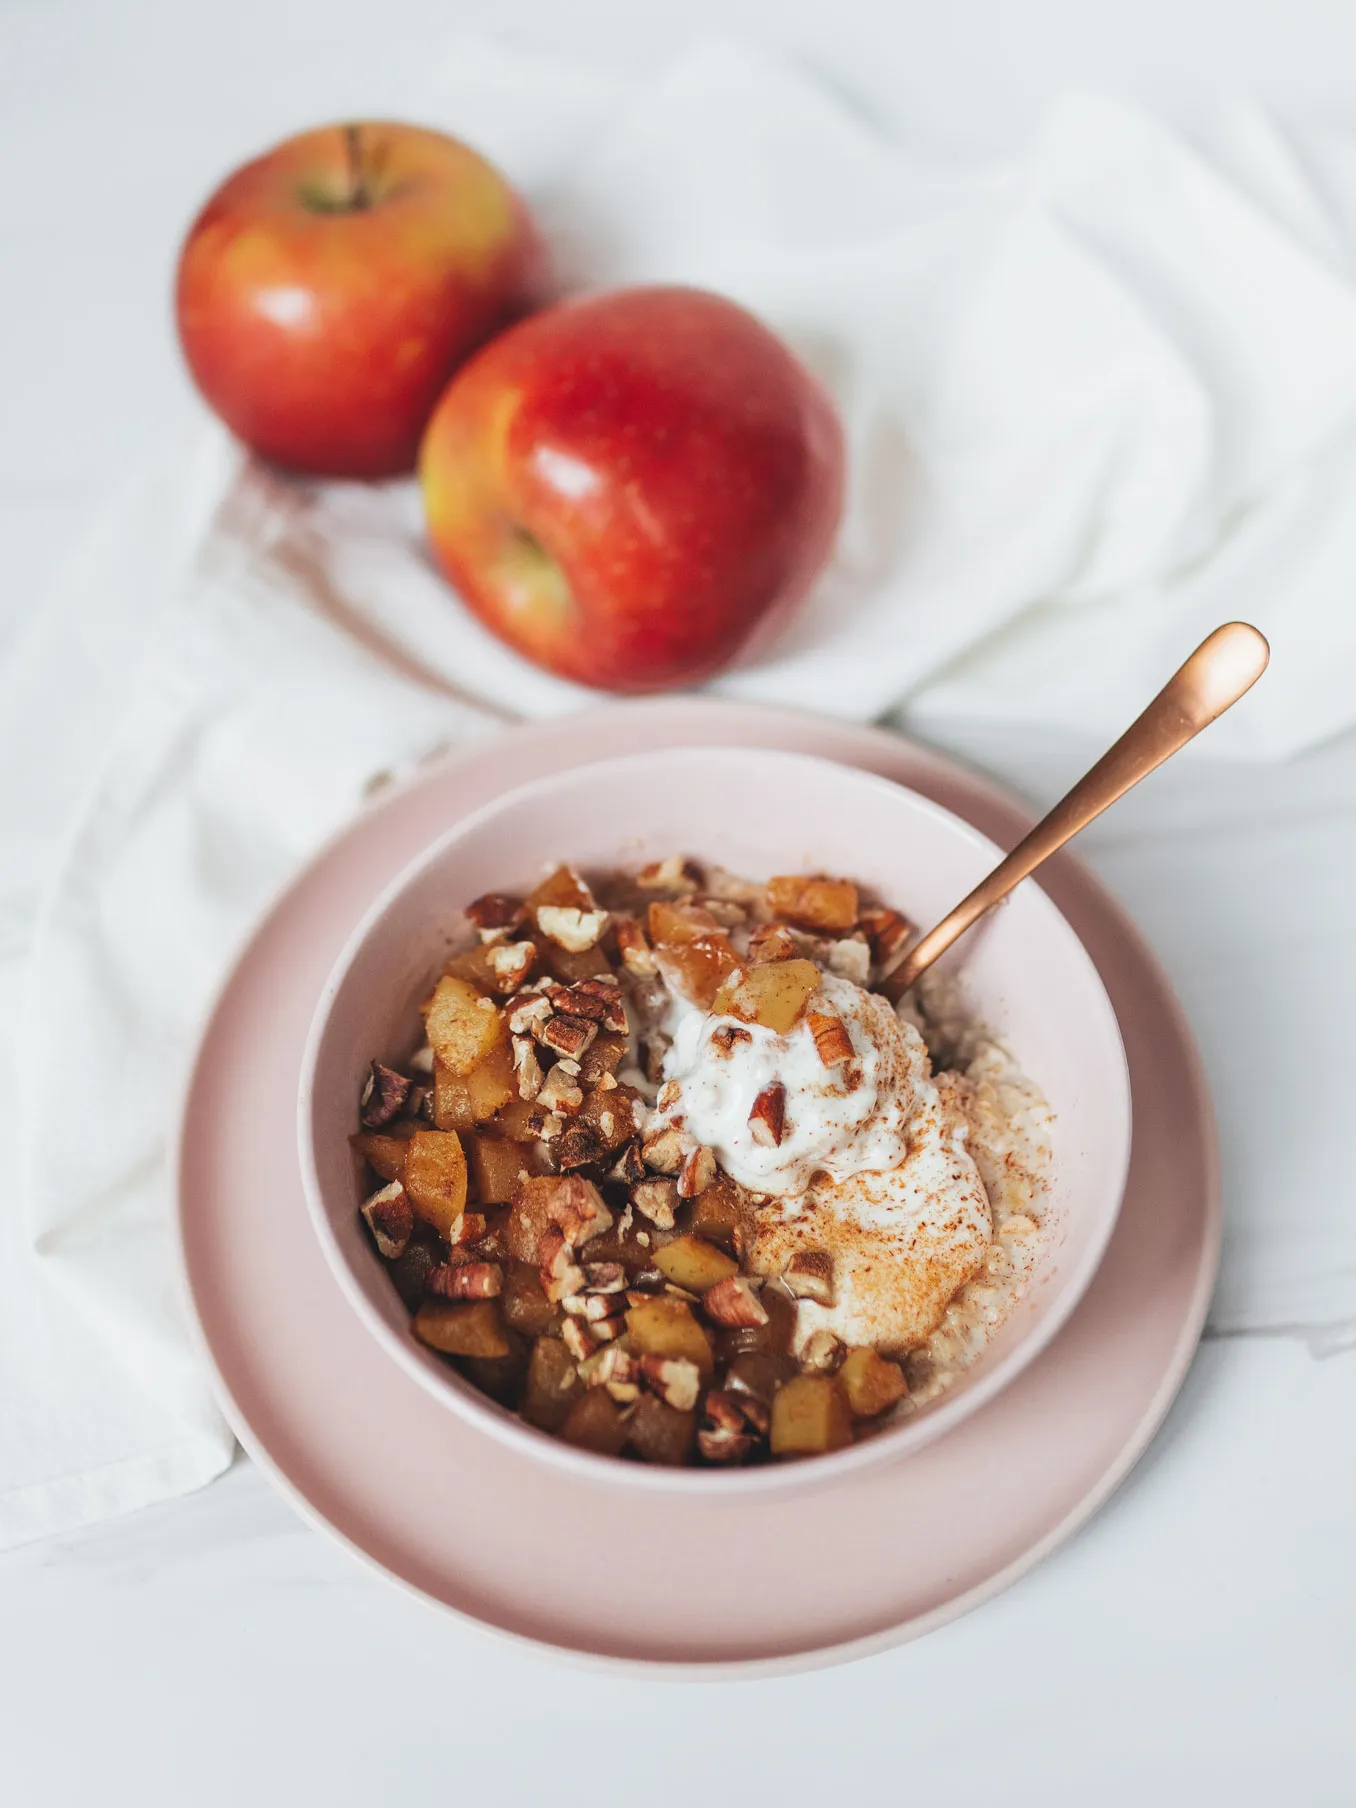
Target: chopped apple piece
{"type": "Point", "coordinates": [664, 1326]}
{"type": "Point", "coordinates": [870, 1383]}
{"type": "Point", "coordinates": [553, 1384]}
{"type": "Point", "coordinates": [501, 1377]}
{"type": "Point", "coordinates": [720, 1214]}
{"type": "Point", "coordinates": [473, 1329]}
{"type": "Point", "coordinates": [492, 1084]}
{"type": "Point", "coordinates": [813, 903]}
{"type": "Point", "coordinates": [689, 1262]}
{"type": "Point", "coordinates": [771, 942]}
{"type": "Point", "coordinates": [660, 1433]}
{"type": "Point", "coordinates": [526, 1307]}
{"type": "Point", "coordinates": [435, 1179]}
{"type": "Point", "coordinates": [563, 887]}
{"type": "Point", "coordinates": [694, 953]}
{"type": "Point", "coordinates": [387, 1154]}
{"type": "Point", "coordinates": [498, 1168]}
{"type": "Point", "coordinates": [595, 1423]}
{"type": "Point", "coordinates": [774, 995]}
{"type": "Point", "coordinates": [809, 1416]}
{"type": "Point", "coordinates": [462, 1026]}
{"type": "Point", "coordinates": [451, 1099]}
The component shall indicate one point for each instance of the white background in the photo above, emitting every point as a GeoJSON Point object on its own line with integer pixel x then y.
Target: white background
{"type": "Point", "coordinates": [1198, 1642]}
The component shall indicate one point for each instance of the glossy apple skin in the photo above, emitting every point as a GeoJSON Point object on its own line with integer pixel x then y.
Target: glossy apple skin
{"type": "Point", "coordinates": [627, 486]}
{"type": "Point", "coordinates": [328, 290]}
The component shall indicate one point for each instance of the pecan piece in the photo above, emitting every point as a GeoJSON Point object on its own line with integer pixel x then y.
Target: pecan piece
{"type": "Point", "coordinates": [767, 1118]}
{"type": "Point", "coordinates": [578, 1146]}
{"type": "Point", "coordinates": [527, 1012]}
{"type": "Point", "coordinates": [676, 1380]}
{"type": "Point", "coordinates": [569, 928]}
{"type": "Point", "coordinates": [469, 1228]}
{"type": "Point", "coordinates": [390, 1218]}
{"type": "Point", "coordinates": [560, 1278]}
{"type": "Point", "coordinates": [589, 1306]}
{"type": "Point", "coordinates": [561, 1090]}
{"type": "Point", "coordinates": [384, 1096]}
{"type": "Point", "coordinates": [656, 1200]}
{"type": "Point", "coordinates": [494, 914]}
{"type": "Point", "coordinates": [568, 1036]}
{"type": "Point", "coordinates": [605, 1277]}
{"type": "Point", "coordinates": [527, 1067]}
{"type": "Point", "coordinates": [889, 934]}
{"type": "Point", "coordinates": [771, 942]}
{"type": "Point", "coordinates": [634, 947]}
{"type": "Point", "coordinates": [697, 1173]}
{"type": "Point", "coordinates": [629, 1167]}
{"type": "Point", "coordinates": [822, 1353]}
{"type": "Point", "coordinates": [832, 1042]}
{"type": "Point", "coordinates": [809, 1275]}
{"type": "Point", "coordinates": [674, 874]}
{"type": "Point", "coordinates": [610, 1366]}
{"type": "Point", "coordinates": [510, 963]}
{"type": "Point", "coordinates": [733, 1302]}
{"type": "Point", "coordinates": [722, 1446]}
{"type": "Point", "coordinates": [466, 1280]}
{"type": "Point", "coordinates": [596, 998]}
{"type": "Point", "coordinates": [662, 1149]}
{"type": "Point", "coordinates": [577, 1340]}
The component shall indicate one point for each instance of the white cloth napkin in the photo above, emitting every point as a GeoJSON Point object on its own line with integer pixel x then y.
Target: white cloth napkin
{"type": "Point", "coordinates": [1097, 401]}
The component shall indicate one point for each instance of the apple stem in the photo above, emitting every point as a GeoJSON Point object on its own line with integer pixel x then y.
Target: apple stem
{"type": "Point", "coordinates": [359, 195]}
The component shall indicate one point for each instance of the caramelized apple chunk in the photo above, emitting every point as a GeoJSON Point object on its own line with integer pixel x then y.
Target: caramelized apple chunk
{"type": "Point", "coordinates": [595, 1422]}
{"type": "Point", "coordinates": [435, 1179]}
{"type": "Point", "coordinates": [472, 1329]}
{"type": "Point", "coordinates": [691, 1263]}
{"type": "Point", "coordinates": [870, 1383]}
{"type": "Point", "coordinates": [462, 1025]}
{"type": "Point", "coordinates": [774, 995]}
{"type": "Point", "coordinates": [659, 1433]}
{"type": "Point", "coordinates": [665, 1326]}
{"type": "Point", "coordinates": [809, 1416]}
{"type": "Point", "coordinates": [810, 902]}
{"type": "Point", "coordinates": [553, 1384]}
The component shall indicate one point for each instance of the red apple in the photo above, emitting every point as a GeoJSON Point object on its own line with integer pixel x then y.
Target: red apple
{"type": "Point", "coordinates": [328, 290]}
{"type": "Point", "coordinates": [625, 487]}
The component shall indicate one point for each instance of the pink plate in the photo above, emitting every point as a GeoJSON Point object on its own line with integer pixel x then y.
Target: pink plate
{"type": "Point", "coordinates": [882, 1555]}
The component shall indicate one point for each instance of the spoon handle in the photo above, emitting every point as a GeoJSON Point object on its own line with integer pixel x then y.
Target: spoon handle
{"type": "Point", "coordinates": [1225, 665]}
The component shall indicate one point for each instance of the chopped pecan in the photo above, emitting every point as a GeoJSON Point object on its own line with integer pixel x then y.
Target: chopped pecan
{"type": "Point", "coordinates": [390, 1218]}
{"type": "Point", "coordinates": [384, 1096]}
{"type": "Point", "coordinates": [597, 998]}
{"type": "Point", "coordinates": [560, 1278]}
{"type": "Point", "coordinates": [656, 1200]}
{"type": "Point", "coordinates": [549, 1204]}
{"type": "Point", "coordinates": [822, 1352]}
{"type": "Point", "coordinates": [722, 1446]}
{"type": "Point", "coordinates": [832, 1042]}
{"type": "Point", "coordinates": [527, 1067]}
{"type": "Point", "coordinates": [771, 942]}
{"type": "Point", "coordinates": [676, 1380]}
{"type": "Point", "coordinates": [589, 1305]}
{"type": "Point", "coordinates": [727, 1037]}
{"type": "Point", "coordinates": [579, 1146]}
{"type": "Point", "coordinates": [605, 1329]}
{"type": "Point", "coordinates": [767, 1119]}
{"type": "Point", "coordinates": [510, 963]}
{"type": "Point", "coordinates": [466, 1280]}
{"type": "Point", "coordinates": [629, 1166]}
{"type": "Point", "coordinates": [571, 929]}
{"type": "Point", "coordinates": [674, 874]}
{"type": "Point", "coordinates": [495, 914]}
{"type": "Point", "coordinates": [469, 1228]}
{"type": "Point", "coordinates": [604, 1277]}
{"type": "Point", "coordinates": [611, 1364]}
{"type": "Point", "coordinates": [577, 1340]}
{"type": "Point", "coordinates": [634, 947]}
{"type": "Point", "coordinates": [568, 1036]}
{"type": "Point", "coordinates": [724, 1410]}
{"type": "Point", "coordinates": [526, 1011]}
{"type": "Point", "coordinates": [662, 1149]}
{"type": "Point", "coordinates": [697, 1173]}
{"type": "Point", "coordinates": [734, 1302]}
{"type": "Point", "coordinates": [809, 1275]}
{"type": "Point", "coordinates": [561, 1090]}
{"type": "Point", "coordinates": [889, 934]}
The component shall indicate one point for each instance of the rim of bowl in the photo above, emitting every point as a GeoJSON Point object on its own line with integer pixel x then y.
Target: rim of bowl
{"type": "Point", "coordinates": [461, 1396]}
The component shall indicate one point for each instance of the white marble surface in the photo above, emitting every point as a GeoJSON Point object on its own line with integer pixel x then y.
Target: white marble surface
{"type": "Point", "coordinates": [1198, 1641]}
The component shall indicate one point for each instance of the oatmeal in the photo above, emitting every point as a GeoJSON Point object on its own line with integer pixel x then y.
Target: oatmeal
{"type": "Point", "coordinates": [672, 1181]}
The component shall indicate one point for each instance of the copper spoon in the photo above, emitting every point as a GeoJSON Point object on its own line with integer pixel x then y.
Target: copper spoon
{"type": "Point", "coordinates": [1225, 665]}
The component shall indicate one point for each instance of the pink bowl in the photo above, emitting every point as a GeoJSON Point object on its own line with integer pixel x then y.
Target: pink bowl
{"type": "Point", "coordinates": [1024, 973]}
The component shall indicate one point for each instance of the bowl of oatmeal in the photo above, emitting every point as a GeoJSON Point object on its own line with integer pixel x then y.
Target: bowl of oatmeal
{"type": "Point", "coordinates": [617, 1144]}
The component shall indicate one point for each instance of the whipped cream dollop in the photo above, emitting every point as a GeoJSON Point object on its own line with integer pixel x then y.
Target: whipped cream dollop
{"type": "Point", "coordinates": [872, 1169]}
{"type": "Point", "coordinates": [842, 1120]}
